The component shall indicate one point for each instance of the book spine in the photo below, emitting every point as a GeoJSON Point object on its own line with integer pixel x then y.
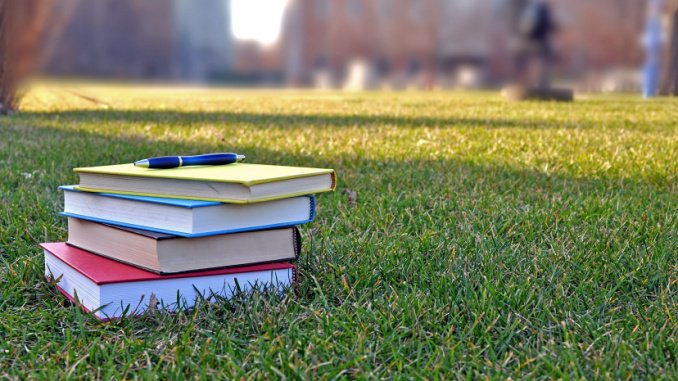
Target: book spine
{"type": "Point", "coordinates": [311, 216]}
{"type": "Point", "coordinates": [295, 276]}
{"type": "Point", "coordinates": [334, 181]}
{"type": "Point", "coordinates": [296, 242]}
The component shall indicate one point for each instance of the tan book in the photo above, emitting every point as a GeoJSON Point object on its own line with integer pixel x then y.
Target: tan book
{"type": "Point", "coordinates": [166, 254]}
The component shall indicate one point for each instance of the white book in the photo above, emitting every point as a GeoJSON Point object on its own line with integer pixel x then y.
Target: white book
{"type": "Point", "coordinates": [186, 218]}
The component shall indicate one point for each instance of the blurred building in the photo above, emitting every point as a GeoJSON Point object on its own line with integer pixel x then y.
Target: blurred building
{"type": "Point", "coordinates": [254, 63]}
{"type": "Point", "coordinates": [472, 47]}
{"type": "Point", "coordinates": [448, 41]}
{"type": "Point", "coordinates": [335, 43]}
{"type": "Point", "coordinates": [203, 36]}
{"type": "Point", "coordinates": [147, 39]}
{"type": "Point", "coordinates": [323, 37]}
{"type": "Point", "coordinates": [595, 35]}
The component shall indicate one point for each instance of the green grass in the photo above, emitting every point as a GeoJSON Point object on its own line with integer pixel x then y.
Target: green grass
{"type": "Point", "coordinates": [533, 240]}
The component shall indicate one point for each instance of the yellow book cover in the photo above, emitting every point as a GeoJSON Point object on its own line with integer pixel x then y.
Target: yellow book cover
{"type": "Point", "coordinates": [242, 173]}
{"type": "Point", "coordinates": [238, 182]}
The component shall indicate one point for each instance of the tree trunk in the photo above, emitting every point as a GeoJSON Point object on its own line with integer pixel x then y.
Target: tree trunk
{"type": "Point", "coordinates": [22, 27]}
{"type": "Point", "coordinates": [671, 79]}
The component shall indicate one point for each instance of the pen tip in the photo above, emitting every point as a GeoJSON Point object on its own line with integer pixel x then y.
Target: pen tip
{"type": "Point", "coordinates": [240, 157]}
{"type": "Point", "coordinates": [141, 163]}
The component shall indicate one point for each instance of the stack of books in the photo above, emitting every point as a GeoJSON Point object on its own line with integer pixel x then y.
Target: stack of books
{"type": "Point", "coordinates": [142, 238]}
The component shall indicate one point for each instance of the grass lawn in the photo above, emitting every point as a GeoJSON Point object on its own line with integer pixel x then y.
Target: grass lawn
{"type": "Point", "coordinates": [486, 240]}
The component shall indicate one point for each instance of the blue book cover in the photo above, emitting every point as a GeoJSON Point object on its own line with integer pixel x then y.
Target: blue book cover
{"type": "Point", "coordinates": [181, 203]}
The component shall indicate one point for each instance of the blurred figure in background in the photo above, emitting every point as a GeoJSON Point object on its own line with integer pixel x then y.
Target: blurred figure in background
{"type": "Point", "coordinates": [653, 43]}
{"type": "Point", "coordinates": [534, 31]}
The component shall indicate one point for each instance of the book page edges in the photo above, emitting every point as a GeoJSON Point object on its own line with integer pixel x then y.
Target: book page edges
{"type": "Point", "coordinates": [225, 200]}
{"type": "Point", "coordinates": [316, 172]}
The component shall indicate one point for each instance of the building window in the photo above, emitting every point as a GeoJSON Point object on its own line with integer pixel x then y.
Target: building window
{"type": "Point", "coordinates": [355, 8]}
{"type": "Point", "coordinates": [322, 8]}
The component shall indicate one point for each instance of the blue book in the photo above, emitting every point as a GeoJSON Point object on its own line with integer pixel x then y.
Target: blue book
{"type": "Point", "coordinates": [185, 218]}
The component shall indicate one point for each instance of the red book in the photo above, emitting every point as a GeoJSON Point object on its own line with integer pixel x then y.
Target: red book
{"type": "Point", "coordinates": [111, 289]}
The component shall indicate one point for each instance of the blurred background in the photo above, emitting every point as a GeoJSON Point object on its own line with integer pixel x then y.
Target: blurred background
{"type": "Point", "coordinates": [348, 44]}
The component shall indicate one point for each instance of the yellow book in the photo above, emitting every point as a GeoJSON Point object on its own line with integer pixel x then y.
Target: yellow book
{"type": "Point", "coordinates": [234, 183]}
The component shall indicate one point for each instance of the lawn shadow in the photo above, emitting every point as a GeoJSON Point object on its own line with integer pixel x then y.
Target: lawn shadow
{"type": "Point", "coordinates": [407, 213]}
{"type": "Point", "coordinates": [130, 148]}
{"type": "Point", "coordinates": [297, 120]}
{"type": "Point", "coordinates": [88, 148]}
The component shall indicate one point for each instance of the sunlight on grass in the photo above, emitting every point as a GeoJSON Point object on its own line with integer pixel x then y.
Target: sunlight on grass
{"type": "Point", "coordinates": [625, 138]}
{"type": "Point", "coordinates": [487, 239]}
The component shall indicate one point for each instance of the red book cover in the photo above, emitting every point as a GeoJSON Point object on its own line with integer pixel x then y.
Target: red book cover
{"type": "Point", "coordinates": [102, 270]}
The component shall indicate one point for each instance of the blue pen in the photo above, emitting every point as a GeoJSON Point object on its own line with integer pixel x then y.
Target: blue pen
{"type": "Point", "coordinates": [165, 162]}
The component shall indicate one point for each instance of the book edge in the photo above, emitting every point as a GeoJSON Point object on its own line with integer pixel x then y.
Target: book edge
{"type": "Point", "coordinates": [192, 274]}
{"type": "Point", "coordinates": [123, 196]}
{"type": "Point", "coordinates": [183, 234]}
{"type": "Point", "coordinates": [319, 171]}
{"type": "Point", "coordinates": [293, 285]}
{"type": "Point", "coordinates": [224, 200]}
